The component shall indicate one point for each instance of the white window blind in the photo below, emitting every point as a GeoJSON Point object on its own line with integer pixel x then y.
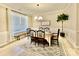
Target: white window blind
{"type": "Point", "coordinates": [19, 23]}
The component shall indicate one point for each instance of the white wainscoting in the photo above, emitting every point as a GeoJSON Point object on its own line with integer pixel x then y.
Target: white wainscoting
{"type": "Point", "coordinates": [71, 36]}
{"type": "Point", "coordinates": [77, 39]}
{"type": "Point", "coordinates": [4, 38]}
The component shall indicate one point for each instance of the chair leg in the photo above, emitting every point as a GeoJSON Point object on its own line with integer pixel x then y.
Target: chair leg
{"type": "Point", "coordinates": [38, 43]}
{"type": "Point", "coordinates": [52, 42]}
{"type": "Point", "coordinates": [57, 42]}
{"type": "Point", "coordinates": [35, 43]}
{"type": "Point", "coordinates": [48, 44]}
{"type": "Point", "coordinates": [43, 45]}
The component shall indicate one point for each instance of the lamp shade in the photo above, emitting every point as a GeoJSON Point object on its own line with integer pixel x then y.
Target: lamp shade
{"type": "Point", "coordinates": [40, 18]}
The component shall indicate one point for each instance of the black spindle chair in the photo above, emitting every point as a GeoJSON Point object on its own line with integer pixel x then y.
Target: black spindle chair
{"type": "Point", "coordinates": [41, 38]}
{"type": "Point", "coordinates": [55, 37]}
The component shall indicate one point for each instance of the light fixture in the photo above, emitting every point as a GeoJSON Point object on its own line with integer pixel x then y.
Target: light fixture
{"type": "Point", "coordinates": [35, 17]}
{"type": "Point", "coordinates": [38, 18]}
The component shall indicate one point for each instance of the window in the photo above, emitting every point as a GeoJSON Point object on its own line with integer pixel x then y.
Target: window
{"type": "Point", "coordinates": [19, 23]}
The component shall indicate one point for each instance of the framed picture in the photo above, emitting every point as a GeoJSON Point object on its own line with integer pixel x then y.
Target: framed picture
{"type": "Point", "coordinates": [45, 23]}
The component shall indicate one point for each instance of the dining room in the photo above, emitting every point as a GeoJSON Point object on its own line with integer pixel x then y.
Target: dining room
{"type": "Point", "coordinates": [34, 29]}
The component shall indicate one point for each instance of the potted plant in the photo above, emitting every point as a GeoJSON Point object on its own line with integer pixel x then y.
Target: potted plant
{"type": "Point", "coordinates": [62, 17]}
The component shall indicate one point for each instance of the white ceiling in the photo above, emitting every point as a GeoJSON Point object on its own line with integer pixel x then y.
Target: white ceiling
{"type": "Point", "coordinates": [32, 8]}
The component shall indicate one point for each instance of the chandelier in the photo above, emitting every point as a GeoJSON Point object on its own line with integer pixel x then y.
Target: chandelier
{"type": "Point", "coordinates": [38, 18]}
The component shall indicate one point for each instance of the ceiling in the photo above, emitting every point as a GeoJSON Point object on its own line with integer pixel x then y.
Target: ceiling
{"type": "Point", "coordinates": [32, 8]}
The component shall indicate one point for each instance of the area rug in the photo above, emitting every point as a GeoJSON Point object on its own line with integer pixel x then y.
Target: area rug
{"type": "Point", "coordinates": [33, 50]}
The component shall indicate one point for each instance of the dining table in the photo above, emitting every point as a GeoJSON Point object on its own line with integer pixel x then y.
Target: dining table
{"type": "Point", "coordinates": [48, 35]}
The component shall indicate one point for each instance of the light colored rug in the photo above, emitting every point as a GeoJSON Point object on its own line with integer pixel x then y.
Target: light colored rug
{"type": "Point", "coordinates": [33, 50]}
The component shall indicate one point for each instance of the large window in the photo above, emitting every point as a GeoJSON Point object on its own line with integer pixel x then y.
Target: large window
{"type": "Point", "coordinates": [19, 23]}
